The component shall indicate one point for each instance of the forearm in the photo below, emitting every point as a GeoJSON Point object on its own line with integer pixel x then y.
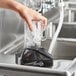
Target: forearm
{"type": "Point", "coordinates": [11, 4]}
{"type": "Point", "coordinates": [4, 3]}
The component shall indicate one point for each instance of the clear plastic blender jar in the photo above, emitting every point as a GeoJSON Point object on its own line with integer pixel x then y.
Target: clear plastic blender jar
{"type": "Point", "coordinates": [33, 38]}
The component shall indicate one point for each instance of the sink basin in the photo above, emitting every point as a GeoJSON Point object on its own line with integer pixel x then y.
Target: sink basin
{"type": "Point", "coordinates": [64, 48]}
{"type": "Point", "coordinates": [6, 39]}
{"type": "Point", "coordinates": [11, 29]}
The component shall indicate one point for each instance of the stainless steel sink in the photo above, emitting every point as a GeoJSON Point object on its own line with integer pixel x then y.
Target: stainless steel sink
{"type": "Point", "coordinates": [12, 42]}
{"type": "Point", "coordinates": [64, 48]}
{"type": "Point", "coordinates": [11, 30]}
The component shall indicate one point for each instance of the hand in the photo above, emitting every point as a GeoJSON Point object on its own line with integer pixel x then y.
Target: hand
{"type": "Point", "coordinates": [26, 13]}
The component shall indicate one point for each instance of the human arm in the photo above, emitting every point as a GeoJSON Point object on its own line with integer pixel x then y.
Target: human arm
{"type": "Point", "coordinates": [26, 13]}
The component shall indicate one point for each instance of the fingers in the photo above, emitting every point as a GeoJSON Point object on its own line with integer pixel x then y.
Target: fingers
{"type": "Point", "coordinates": [29, 22]}
{"type": "Point", "coordinates": [23, 12]}
{"type": "Point", "coordinates": [38, 17]}
{"type": "Point", "coordinates": [44, 20]}
{"type": "Point", "coordinates": [30, 15]}
{"type": "Point", "coordinates": [41, 18]}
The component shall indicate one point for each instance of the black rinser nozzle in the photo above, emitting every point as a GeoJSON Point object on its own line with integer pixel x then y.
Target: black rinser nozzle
{"type": "Point", "coordinates": [36, 57]}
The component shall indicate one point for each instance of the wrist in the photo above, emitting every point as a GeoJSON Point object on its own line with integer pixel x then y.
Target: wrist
{"type": "Point", "coordinates": [19, 7]}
